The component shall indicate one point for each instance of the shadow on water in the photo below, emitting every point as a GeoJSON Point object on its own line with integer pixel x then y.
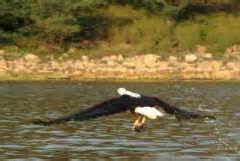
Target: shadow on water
{"type": "Point", "coordinates": [111, 137]}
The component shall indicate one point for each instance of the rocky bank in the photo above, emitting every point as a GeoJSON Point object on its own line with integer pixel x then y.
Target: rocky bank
{"type": "Point", "coordinates": [198, 65]}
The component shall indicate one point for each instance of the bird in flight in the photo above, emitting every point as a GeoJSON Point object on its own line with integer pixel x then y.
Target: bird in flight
{"type": "Point", "coordinates": [143, 107]}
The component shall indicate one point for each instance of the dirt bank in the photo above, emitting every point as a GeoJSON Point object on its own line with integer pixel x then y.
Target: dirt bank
{"type": "Point", "coordinates": [193, 66]}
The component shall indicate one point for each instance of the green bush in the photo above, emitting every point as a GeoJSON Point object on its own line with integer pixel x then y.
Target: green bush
{"type": "Point", "coordinates": [216, 31]}
{"type": "Point", "coordinates": [103, 27]}
{"type": "Point", "coordinates": [188, 35]}
{"type": "Point", "coordinates": [223, 32]}
{"type": "Point", "coordinates": [142, 32]}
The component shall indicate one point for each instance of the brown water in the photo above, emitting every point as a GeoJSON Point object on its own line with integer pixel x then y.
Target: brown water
{"type": "Point", "coordinates": [110, 137]}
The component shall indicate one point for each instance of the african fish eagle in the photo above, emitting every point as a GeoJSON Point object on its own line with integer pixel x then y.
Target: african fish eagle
{"type": "Point", "coordinates": [144, 107]}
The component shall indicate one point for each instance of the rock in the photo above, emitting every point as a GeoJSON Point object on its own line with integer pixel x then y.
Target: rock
{"type": "Point", "coordinates": [53, 65]}
{"type": "Point", "coordinates": [120, 58]}
{"type": "Point", "coordinates": [172, 59]}
{"type": "Point", "coordinates": [234, 55]}
{"type": "Point", "coordinates": [109, 59]}
{"type": "Point", "coordinates": [201, 49]}
{"type": "Point", "coordinates": [60, 58]}
{"type": "Point", "coordinates": [72, 50]}
{"type": "Point", "coordinates": [141, 61]}
{"type": "Point", "coordinates": [163, 64]}
{"type": "Point", "coordinates": [3, 65]}
{"type": "Point", "coordinates": [232, 66]}
{"type": "Point", "coordinates": [2, 52]}
{"type": "Point", "coordinates": [234, 48]}
{"type": "Point", "coordinates": [183, 65]}
{"type": "Point", "coordinates": [189, 69]}
{"type": "Point", "coordinates": [112, 57]}
{"type": "Point", "coordinates": [148, 59]}
{"type": "Point", "coordinates": [85, 58]}
{"type": "Point", "coordinates": [212, 65]}
{"type": "Point", "coordinates": [225, 75]}
{"type": "Point", "coordinates": [21, 68]}
{"type": "Point", "coordinates": [233, 52]}
{"type": "Point", "coordinates": [32, 58]}
{"type": "Point", "coordinates": [129, 64]}
{"type": "Point", "coordinates": [76, 72]}
{"type": "Point", "coordinates": [205, 66]}
{"type": "Point", "coordinates": [121, 69]}
{"type": "Point", "coordinates": [78, 64]}
{"type": "Point", "coordinates": [190, 58]}
{"type": "Point", "coordinates": [207, 55]}
{"type": "Point", "coordinates": [111, 63]}
{"type": "Point", "coordinates": [65, 55]}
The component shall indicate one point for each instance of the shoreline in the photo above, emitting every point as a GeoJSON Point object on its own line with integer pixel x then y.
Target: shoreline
{"type": "Point", "coordinates": [198, 66]}
{"type": "Point", "coordinates": [118, 81]}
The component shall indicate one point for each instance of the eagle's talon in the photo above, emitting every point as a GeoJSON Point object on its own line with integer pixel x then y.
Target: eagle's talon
{"type": "Point", "coordinates": [138, 128]}
{"type": "Point", "coordinates": [138, 124]}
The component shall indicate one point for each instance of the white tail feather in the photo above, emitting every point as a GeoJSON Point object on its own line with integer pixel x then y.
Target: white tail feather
{"type": "Point", "coordinates": [149, 112]}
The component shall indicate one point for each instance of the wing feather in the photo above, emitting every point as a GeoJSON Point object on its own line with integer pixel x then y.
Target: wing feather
{"type": "Point", "coordinates": [109, 107]}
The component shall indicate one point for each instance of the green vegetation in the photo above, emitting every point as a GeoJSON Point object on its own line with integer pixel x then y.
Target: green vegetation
{"type": "Point", "coordinates": [216, 31]}
{"type": "Point", "coordinates": [100, 27]}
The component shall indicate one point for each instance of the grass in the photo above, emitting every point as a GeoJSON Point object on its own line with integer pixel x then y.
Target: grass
{"type": "Point", "coordinates": [144, 33]}
{"type": "Point", "coordinates": [147, 33]}
{"type": "Point", "coordinates": [216, 31]}
{"type": "Point", "coordinates": [223, 32]}
{"type": "Point", "coordinates": [134, 31]}
{"type": "Point", "coordinates": [188, 34]}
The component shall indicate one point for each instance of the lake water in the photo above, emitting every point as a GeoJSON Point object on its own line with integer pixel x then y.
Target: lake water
{"type": "Point", "coordinates": [111, 137]}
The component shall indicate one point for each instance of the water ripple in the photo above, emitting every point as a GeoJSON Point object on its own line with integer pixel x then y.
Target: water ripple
{"type": "Point", "coordinates": [111, 137]}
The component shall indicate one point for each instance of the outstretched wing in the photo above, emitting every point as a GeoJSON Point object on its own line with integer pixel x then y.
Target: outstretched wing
{"type": "Point", "coordinates": [182, 113]}
{"type": "Point", "coordinates": [122, 104]}
{"type": "Point", "coordinates": [109, 107]}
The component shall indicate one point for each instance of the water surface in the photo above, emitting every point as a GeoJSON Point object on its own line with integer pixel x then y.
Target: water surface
{"type": "Point", "coordinates": [111, 137]}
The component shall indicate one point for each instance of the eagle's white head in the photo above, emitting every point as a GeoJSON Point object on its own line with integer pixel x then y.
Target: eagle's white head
{"type": "Point", "coordinates": [123, 91]}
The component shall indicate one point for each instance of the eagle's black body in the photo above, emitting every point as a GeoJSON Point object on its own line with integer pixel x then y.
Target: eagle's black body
{"type": "Point", "coordinates": [122, 104]}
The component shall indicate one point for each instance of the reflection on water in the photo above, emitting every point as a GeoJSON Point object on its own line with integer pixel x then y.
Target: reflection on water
{"type": "Point", "coordinates": [111, 137]}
